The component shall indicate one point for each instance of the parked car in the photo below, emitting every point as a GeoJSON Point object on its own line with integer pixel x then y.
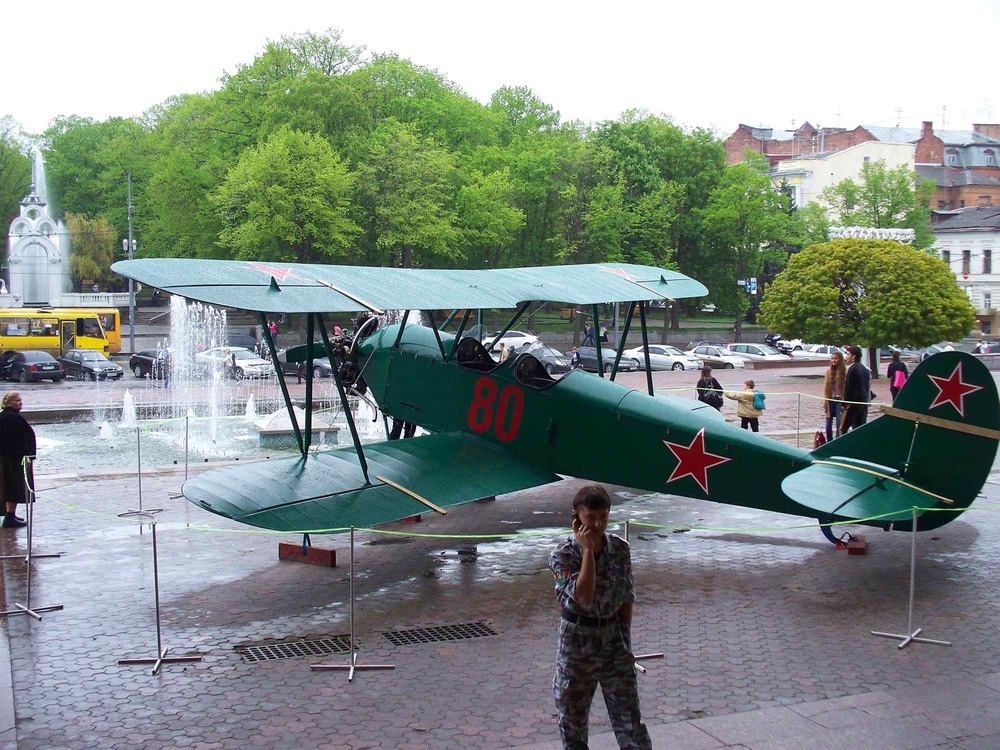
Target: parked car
{"type": "Point", "coordinates": [88, 363]}
{"type": "Point", "coordinates": [759, 352]}
{"type": "Point", "coordinates": [817, 352]}
{"type": "Point", "coordinates": [321, 366]}
{"type": "Point", "coordinates": [243, 341]}
{"type": "Point", "coordinates": [706, 342]}
{"type": "Point", "coordinates": [553, 360]}
{"type": "Point", "coordinates": [772, 339]}
{"type": "Point", "coordinates": [149, 363]}
{"type": "Point", "coordinates": [588, 359]}
{"type": "Point", "coordinates": [662, 357]}
{"type": "Point", "coordinates": [787, 346]}
{"type": "Point", "coordinates": [31, 366]}
{"type": "Point", "coordinates": [235, 362]}
{"type": "Point", "coordinates": [719, 357]}
{"type": "Point", "coordinates": [988, 348]}
{"type": "Point", "coordinates": [515, 339]}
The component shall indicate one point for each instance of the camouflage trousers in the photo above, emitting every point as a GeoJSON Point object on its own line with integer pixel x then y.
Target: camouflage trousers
{"type": "Point", "coordinates": [588, 657]}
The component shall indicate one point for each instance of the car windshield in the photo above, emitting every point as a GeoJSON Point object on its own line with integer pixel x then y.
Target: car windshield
{"type": "Point", "coordinates": [93, 357]}
{"type": "Point", "coordinates": [769, 350]}
{"type": "Point", "coordinates": [244, 354]}
{"type": "Point", "coordinates": [673, 350]}
{"type": "Point", "coordinates": [552, 352]}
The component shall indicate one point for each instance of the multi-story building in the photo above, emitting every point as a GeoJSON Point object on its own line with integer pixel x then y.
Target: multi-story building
{"type": "Point", "coordinates": [963, 164]}
{"type": "Point", "coordinates": [968, 240]}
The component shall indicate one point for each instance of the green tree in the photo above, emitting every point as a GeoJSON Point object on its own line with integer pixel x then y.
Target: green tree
{"type": "Point", "coordinates": [15, 171]}
{"type": "Point", "coordinates": [93, 245]}
{"type": "Point", "coordinates": [883, 199]}
{"type": "Point", "coordinates": [287, 199]}
{"type": "Point", "coordinates": [867, 292]}
{"type": "Point", "coordinates": [747, 222]}
{"type": "Point", "coordinates": [407, 183]}
{"type": "Point", "coordinates": [488, 219]}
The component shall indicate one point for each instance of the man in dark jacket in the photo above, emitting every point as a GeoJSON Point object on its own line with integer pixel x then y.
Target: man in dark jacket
{"type": "Point", "coordinates": [17, 440]}
{"type": "Point", "coordinates": [857, 389]}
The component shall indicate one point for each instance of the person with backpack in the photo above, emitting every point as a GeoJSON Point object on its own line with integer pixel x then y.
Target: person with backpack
{"type": "Point", "coordinates": [709, 389]}
{"type": "Point", "coordinates": [749, 405]}
{"type": "Point", "coordinates": [897, 374]}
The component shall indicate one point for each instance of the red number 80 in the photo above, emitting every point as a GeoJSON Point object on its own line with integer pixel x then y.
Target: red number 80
{"type": "Point", "coordinates": [480, 415]}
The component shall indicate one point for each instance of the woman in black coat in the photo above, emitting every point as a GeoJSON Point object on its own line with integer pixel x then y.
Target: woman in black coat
{"type": "Point", "coordinates": [17, 440]}
{"type": "Point", "coordinates": [896, 366]}
{"type": "Point", "coordinates": [708, 389]}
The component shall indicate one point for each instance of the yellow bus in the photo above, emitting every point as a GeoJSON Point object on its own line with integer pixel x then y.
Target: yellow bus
{"type": "Point", "coordinates": [55, 330]}
{"type": "Point", "coordinates": [110, 322]}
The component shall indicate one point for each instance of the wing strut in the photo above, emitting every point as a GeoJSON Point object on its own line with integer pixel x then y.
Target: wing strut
{"type": "Point", "coordinates": [310, 333]}
{"type": "Point", "coordinates": [343, 395]}
{"type": "Point", "coordinates": [510, 324]}
{"type": "Point", "coordinates": [458, 336]}
{"type": "Point", "coordinates": [621, 344]}
{"type": "Point", "coordinates": [281, 379]}
{"type": "Point", "coordinates": [597, 342]}
{"type": "Point", "coordinates": [437, 335]}
{"type": "Point", "coordinates": [645, 344]}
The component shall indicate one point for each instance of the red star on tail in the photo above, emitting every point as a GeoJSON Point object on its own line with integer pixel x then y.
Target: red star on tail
{"type": "Point", "coordinates": [952, 390]}
{"type": "Point", "coordinates": [694, 461]}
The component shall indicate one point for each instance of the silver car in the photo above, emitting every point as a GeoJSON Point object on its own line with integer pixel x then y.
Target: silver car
{"type": "Point", "coordinates": [663, 357]}
{"type": "Point", "coordinates": [719, 357]}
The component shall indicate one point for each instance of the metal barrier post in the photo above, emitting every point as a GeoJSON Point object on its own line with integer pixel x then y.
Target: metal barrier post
{"type": "Point", "coordinates": [161, 657]}
{"type": "Point", "coordinates": [798, 417]}
{"type": "Point", "coordinates": [911, 635]}
{"type": "Point", "coordinates": [187, 420]}
{"type": "Point", "coordinates": [352, 665]}
{"type": "Point", "coordinates": [26, 608]}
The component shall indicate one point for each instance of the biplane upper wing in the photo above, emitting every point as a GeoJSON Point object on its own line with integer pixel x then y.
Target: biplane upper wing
{"type": "Point", "coordinates": [328, 491]}
{"type": "Point", "coordinates": [305, 288]}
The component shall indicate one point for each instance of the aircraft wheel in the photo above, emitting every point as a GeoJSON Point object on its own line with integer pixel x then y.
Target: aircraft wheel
{"type": "Point", "coordinates": [677, 366]}
{"type": "Point", "coordinates": [729, 366]}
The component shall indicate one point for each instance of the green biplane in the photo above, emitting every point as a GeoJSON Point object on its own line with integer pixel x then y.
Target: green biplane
{"type": "Point", "coordinates": [499, 428]}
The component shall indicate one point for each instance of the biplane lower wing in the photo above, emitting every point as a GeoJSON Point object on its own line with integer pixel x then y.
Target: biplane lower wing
{"type": "Point", "coordinates": [327, 490]}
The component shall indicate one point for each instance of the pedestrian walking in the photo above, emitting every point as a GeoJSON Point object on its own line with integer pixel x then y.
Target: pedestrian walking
{"type": "Point", "coordinates": [833, 392]}
{"type": "Point", "coordinates": [604, 332]}
{"type": "Point", "coordinates": [272, 326]}
{"type": "Point", "coordinates": [17, 440]}
{"type": "Point", "coordinates": [574, 358]}
{"type": "Point", "coordinates": [897, 374]}
{"type": "Point", "coordinates": [588, 335]}
{"type": "Point", "coordinates": [594, 586]}
{"type": "Point", "coordinates": [857, 391]}
{"type": "Point", "coordinates": [504, 352]}
{"type": "Point", "coordinates": [747, 408]}
{"type": "Point", "coordinates": [709, 390]}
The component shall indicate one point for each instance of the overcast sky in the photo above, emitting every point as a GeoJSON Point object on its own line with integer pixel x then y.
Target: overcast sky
{"type": "Point", "coordinates": [704, 64]}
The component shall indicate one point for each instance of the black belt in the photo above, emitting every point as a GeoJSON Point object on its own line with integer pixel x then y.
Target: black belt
{"type": "Point", "coordinates": [590, 622]}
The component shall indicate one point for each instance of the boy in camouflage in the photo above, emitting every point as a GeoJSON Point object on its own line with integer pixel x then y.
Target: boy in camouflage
{"type": "Point", "coordinates": [593, 575]}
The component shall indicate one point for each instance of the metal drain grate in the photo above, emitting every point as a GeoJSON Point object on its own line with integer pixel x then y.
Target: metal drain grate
{"type": "Point", "coordinates": [338, 644]}
{"type": "Point", "coordinates": [438, 633]}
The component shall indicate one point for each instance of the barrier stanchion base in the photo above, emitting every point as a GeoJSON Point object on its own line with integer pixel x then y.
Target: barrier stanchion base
{"type": "Point", "coordinates": [32, 612]}
{"type": "Point", "coordinates": [644, 657]}
{"type": "Point", "coordinates": [159, 661]}
{"type": "Point", "coordinates": [912, 638]}
{"type": "Point", "coordinates": [351, 668]}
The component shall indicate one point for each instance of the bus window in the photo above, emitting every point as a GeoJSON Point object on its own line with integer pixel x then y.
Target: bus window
{"type": "Point", "coordinates": [107, 321]}
{"type": "Point", "coordinates": [44, 327]}
{"type": "Point", "coordinates": [16, 327]}
{"type": "Point", "coordinates": [90, 327]}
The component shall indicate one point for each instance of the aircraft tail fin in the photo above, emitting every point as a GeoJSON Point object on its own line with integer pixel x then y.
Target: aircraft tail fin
{"type": "Point", "coordinates": [932, 448]}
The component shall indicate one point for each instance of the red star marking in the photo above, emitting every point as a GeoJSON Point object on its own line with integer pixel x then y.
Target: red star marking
{"type": "Point", "coordinates": [952, 390]}
{"type": "Point", "coordinates": [694, 461]}
{"type": "Point", "coordinates": [618, 272]}
{"type": "Point", "coordinates": [276, 271]}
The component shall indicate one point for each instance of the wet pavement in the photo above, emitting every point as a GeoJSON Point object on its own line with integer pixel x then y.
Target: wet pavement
{"type": "Point", "coordinates": [766, 633]}
{"type": "Point", "coordinates": [765, 626]}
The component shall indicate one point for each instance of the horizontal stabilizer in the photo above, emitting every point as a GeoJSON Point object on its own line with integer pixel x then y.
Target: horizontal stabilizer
{"type": "Point", "coordinates": [846, 488]}
{"type": "Point", "coordinates": [328, 490]}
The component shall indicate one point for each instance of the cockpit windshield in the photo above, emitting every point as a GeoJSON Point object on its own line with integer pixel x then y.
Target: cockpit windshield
{"type": "Point", "coordinates": [529, 370]}
{"type": "Point", "coordinates": [473, 356]}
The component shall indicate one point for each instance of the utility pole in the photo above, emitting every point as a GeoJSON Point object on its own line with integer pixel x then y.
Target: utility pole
{"type": "Point", "coordinates": [129, 250]}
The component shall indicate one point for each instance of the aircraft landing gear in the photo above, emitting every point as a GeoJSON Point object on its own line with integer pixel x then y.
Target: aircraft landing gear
{"type": "Point", "coordinates": [829, 532]}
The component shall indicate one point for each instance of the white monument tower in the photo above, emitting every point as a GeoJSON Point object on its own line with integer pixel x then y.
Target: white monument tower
{"type": "Point", "coordinates": [35, 257]}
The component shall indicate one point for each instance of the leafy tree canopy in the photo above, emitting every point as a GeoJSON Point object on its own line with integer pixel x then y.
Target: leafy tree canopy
{"type": "Point", "coordinates": [884, 198]}
{"type": "Point", "coordinates": [287, 199]}
{"type": "Point", "coordinates": [867, 292]}
{"type": "Point", "coordinates": [94, 243]}
{"type": "Point", "coordinates": [15, 171]}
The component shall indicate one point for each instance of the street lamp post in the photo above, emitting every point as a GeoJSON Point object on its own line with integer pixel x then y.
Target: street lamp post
{"type": "Point", "coordinates": [129, 251]}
